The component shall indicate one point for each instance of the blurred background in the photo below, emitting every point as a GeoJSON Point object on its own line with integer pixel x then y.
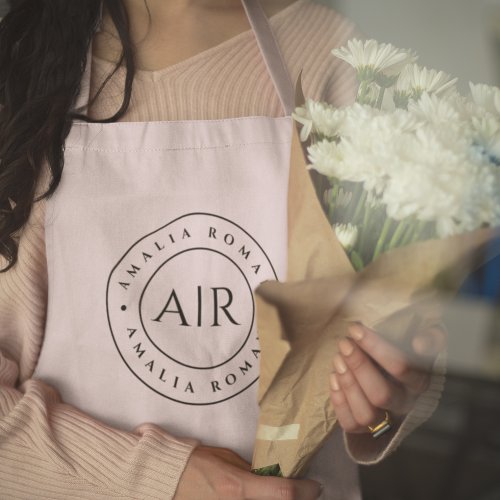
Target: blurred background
{"type": "Point", "coordinates": [456, 454]}
{"type": "Point", "coordinates": [461, 37]}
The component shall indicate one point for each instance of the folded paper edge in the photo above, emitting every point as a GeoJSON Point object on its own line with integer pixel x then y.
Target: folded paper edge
{"type": "Point", "coordinates": [283, 433]}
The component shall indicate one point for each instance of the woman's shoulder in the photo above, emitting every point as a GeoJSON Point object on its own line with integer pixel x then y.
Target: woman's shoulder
{"type": "Point", "coordinates": [273, 7]}
{"type": "Point", "coordinates": [304, 11]}
{"type": "Point", "coordinates": [307, 31]}
{"type": "Point", "coordinates": [308, 21]}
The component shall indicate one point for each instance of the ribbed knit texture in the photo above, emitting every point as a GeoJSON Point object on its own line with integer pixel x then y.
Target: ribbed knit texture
{"type": "Point", "coordinates": [54, 451]}
{"type": "Point", "coordinates": [231, 79]}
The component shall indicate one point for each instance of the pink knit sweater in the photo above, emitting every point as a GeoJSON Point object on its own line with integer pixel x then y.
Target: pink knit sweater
{"type": "Point", "coordinates": [51, 450]}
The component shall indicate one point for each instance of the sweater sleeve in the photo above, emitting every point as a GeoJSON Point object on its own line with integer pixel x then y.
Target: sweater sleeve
{"type": "Point", "coordinates": [52, 450]}
{"type": "Point", "coordinates": [365, 450]}
{"type": "Point", "coordinates": [307, 41]}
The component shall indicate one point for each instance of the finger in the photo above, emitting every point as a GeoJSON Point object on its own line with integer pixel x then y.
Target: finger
{"type": "Point", "coordinates": [362, 410]}
{"type": "Point", "coordinates": [380, 391]}
{"type": "Point", "coordinates": [227, 455]}
{"type": "Point", "coordinates": [342, 408]}
{"type": "Point", "coordinates": [275, 488]}
{"type": "Point", "coordinates": [390, 358]}
{"type": "Point", "coordinates": [429, 342]}
{"type": "Point", "coordinates": [232, 458]}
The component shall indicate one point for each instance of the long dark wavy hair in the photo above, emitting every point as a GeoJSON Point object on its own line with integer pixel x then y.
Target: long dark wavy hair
{"type": "Point", "coordinates": [43, 54]}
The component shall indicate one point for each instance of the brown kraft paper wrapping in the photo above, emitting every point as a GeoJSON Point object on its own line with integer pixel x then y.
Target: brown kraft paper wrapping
{"type": "Point", "coordinates": [393, 295]}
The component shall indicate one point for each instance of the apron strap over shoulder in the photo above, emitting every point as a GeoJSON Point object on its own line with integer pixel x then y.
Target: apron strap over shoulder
{"type": "Point", "coordinates": [271, 53]}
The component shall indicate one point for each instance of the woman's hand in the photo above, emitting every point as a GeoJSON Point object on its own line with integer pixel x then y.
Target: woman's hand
{"type": "Point", "coordinates": [220, 474]}
{"type": "Point", "coordinates": [371, 376]}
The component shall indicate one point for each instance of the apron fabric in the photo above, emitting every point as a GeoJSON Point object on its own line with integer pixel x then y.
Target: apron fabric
{"type": "Point", "coordinates": [156, 238]}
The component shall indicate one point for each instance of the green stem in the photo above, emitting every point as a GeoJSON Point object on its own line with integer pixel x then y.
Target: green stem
{"type": "Point", "coordinates": [396, 237]}
{"type": "Point", "coordinates": [410, 229]}
{"type": "Point", "coordinates": [363, 230]}
{"type": "Point", "coordinates": [356, 191]}
{"type": "Point", "coordinates": [383, 236]}
{"type": "Point", "coordinates": [331, 202]}
{"type": "Point", "coordinates": [419, 229]}
{"type": "Point", "coordinates": [380, 99]}
{"type": "Point", "coordinates": [270, 470]}
{"type": "Point", "coordinates": [356, 260]}
{"type": "Point", "coordinates": [360, 207]}
{"type": "Point", "coordinates": [362, 91]}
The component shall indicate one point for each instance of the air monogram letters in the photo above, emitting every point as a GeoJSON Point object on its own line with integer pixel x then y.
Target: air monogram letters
{"type": "Point", "coordinates": [181, 309]}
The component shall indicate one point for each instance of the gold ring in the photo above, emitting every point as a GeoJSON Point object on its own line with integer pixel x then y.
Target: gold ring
{"type": "Point", "coordinates": [381, 428]}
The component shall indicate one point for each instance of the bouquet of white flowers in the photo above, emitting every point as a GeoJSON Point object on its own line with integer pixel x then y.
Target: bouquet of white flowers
{"type": "Point", "coordinates": [414, 190]}
{"type": "Point", "coordinates": [411, 160]}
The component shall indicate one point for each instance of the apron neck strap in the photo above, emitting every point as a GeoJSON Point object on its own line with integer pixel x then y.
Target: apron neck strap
{"type": "Point", "coordinates": [266, 41]}
{"type": "Point", "coordinates": [271, 53]}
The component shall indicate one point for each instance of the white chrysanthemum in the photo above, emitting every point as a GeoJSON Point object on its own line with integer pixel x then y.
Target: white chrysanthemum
{"type": "Point", "coordinates": [337, 197]}
{"type": "Point", "coordinates": [368, 141]}
{"type": "Point", "coordinates": [370, 57]}
{"type": "Point", "coordinates": [417, 192]}
{"type": "Point", "coordinates": [363, 119]}
{"type": "Point", "coordinates": [342, 198]}
{"type": "Point", "coordinates": [434, 109]}
{"type": "Point", "coordinates": [450, 116]}
{"type": "Point", "coordinates": [342, 160]}
{"type": "Point", "coordinates": [482, 206]}
{"type": "Point", "coordinates": [347, 235]}
{"type": "Point", "coordinates": [325, 157]}
{"type": "Point", "coordinates": [303, 116]}
{"type": "Point", "coordinates": [431, 180]}
{"type": "Point", "coordinates": [326, 119]}
{"type": "Point", "coordinates": [415, 79]}
{"type": "Point", "coordinates": [361, 163]}
{"type": "Point", "coordinates": [355, 116]}
{"type": "Point", "coordinates": [490, 196]}
{"type": "Point", "coordinates": [486, 96]}
{"type": "Point", "coordinates": [319, 118]}
{"type": "Point", "coordinates": [437, 161]}
{"type": "Point", "coordinates": [486, 142]}
{"type": "Point", "coordinates": [437, 181]}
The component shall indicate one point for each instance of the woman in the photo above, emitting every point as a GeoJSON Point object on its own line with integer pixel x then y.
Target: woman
{"type": "Point", "coordinates": [138, 309]}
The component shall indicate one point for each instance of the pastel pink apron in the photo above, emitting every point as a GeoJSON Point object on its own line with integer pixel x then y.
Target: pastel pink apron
{"type": "Point", "coordinates": [156, 238]}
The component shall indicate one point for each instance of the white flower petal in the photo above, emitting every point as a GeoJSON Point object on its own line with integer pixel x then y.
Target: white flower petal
{"type": "Point", "coordinates": [486, 96]}
{"type": "Point", "coordinates": [415, 79]}
{"type": "Point", "coordinates": [375, 56]}
{"type": "Point", "coordinates": [347, 235]}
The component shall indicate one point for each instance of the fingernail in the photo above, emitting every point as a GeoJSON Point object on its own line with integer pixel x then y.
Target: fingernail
{"type": "Point", "coordinates": [340, 366]}
{"type": "Point", "coordinates": [424, 345]}
{"type": "Point", "coordinates": [334, 384]}
{"type": "Point", "coordinates": [346, 347]}
{"type": "Point", "coordinates": [357, 331]}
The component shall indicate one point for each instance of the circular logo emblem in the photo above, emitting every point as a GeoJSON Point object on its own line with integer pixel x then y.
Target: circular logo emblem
{"type": "Point", "coordinates": [181, 309]}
